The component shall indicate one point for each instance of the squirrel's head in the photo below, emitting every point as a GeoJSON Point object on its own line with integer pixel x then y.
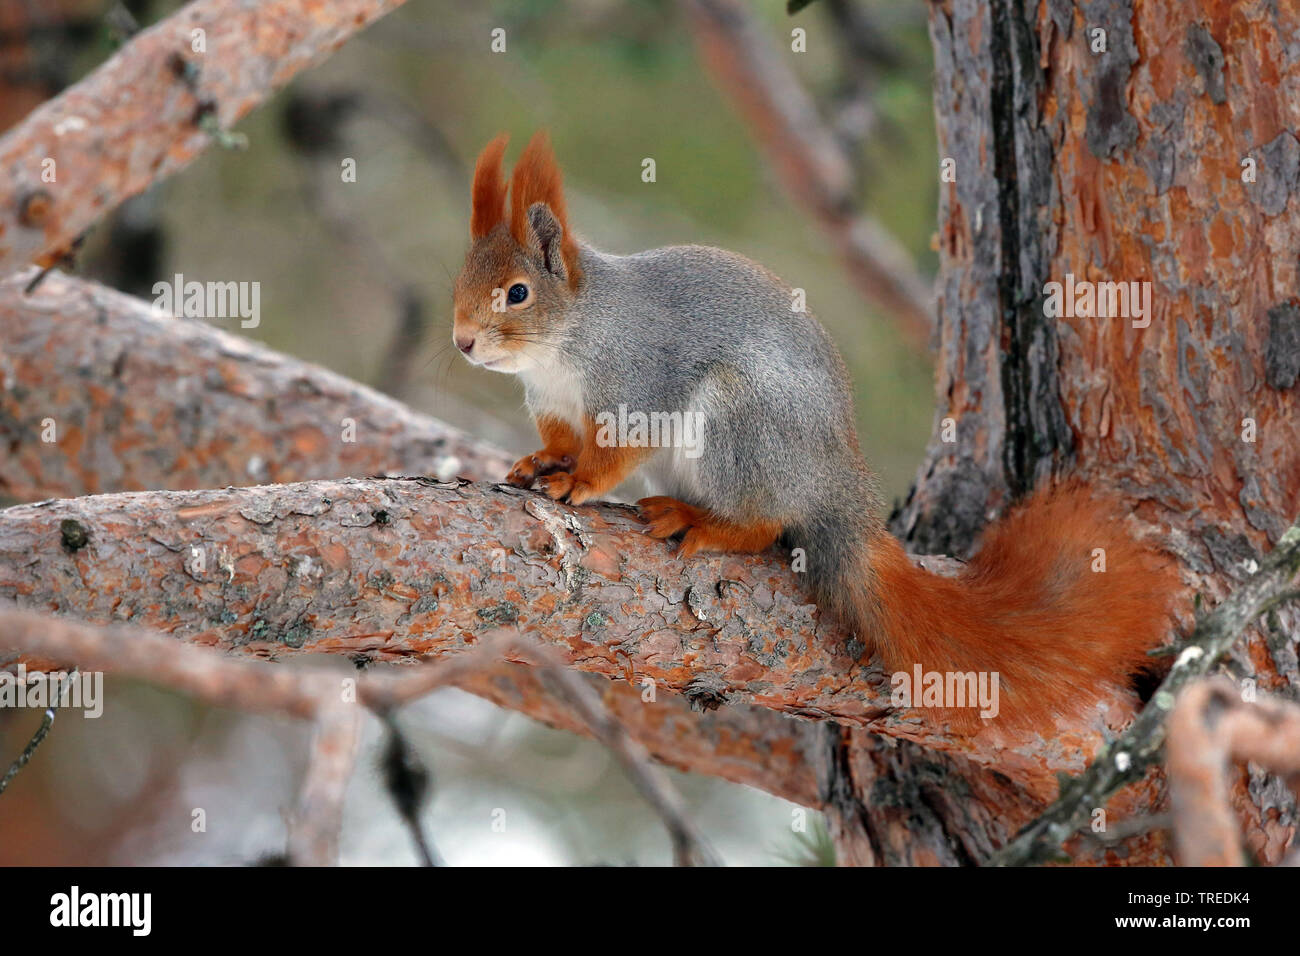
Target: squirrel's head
{"type": "Point", "coordinates": [520, 275]}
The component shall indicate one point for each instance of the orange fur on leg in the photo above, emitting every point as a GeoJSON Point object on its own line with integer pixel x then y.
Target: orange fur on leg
{"type": "Point", "coordinates": [561, 447]}
{"type": "Point", "coordinates": [668, 516]}
{"type": "Point", "coordinates": [704, 531]}
{"type": "Point", "coordinates": [600, 468]}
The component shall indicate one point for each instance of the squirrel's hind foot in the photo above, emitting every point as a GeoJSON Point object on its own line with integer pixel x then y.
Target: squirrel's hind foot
{"type": "Point", "coordinates": [704, 531]}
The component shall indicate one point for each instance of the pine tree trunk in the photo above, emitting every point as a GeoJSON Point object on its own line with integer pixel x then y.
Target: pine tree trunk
{"type": "Point", "coordinates": [1161, 149]}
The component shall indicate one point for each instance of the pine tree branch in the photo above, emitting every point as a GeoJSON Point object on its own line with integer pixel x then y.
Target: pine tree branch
{"type": "Point", "coordinates": [171, 403]}
{"type": "Point", "coordinates": [405, 569]}
{"type": "Point", "coordinates": [152, 108]}
{"type": "Point", "coordinates": [330, 700]}
{"type": "Point", "coordinates": [159, 405]}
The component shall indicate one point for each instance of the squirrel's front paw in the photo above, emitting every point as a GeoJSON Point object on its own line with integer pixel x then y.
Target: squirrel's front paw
{"type": "Point", "coordinates": [562, 486]}
{"type": "Point", "coordinates": [558, 485]}
{"type": "Point", "coordinates": [531, 467]}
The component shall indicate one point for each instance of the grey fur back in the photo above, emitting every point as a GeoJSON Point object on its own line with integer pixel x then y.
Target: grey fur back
{"type": "Point", "coordinates": [692, 328]}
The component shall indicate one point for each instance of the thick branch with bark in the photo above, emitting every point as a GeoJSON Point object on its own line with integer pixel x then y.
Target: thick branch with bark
{"type": "Point", "coordinates": [100, 392]}
{"type": "Point", "coordinates": [399, 569]}
{"type": "Point", "coordinates": [151, 109]}
{"type": "Point", "coordinates": [142, 401]}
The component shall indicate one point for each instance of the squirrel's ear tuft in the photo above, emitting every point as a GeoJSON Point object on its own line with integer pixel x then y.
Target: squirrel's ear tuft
{"type": "Point", "coordinates": [536, 179]}
{"type": "Point", "coordinates": [489, 195]}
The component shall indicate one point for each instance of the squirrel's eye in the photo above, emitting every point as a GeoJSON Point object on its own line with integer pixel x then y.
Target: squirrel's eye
{"type": "Point", "coordinates": [517, 293]}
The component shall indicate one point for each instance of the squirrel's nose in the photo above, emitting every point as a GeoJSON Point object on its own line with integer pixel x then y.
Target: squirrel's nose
{"type": "Point", "coordinates": [464, 343]}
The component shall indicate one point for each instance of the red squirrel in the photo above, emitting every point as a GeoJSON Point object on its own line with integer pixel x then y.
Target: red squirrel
{"type": "Point", "coordinates": [696, 334]}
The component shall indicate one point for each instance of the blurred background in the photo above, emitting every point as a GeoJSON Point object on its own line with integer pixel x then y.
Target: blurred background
{"type": "Point", "coordinates": [356, 276]}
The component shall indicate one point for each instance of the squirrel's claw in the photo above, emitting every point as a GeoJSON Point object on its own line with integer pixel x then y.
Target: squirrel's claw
{"type": "Point", "coordinates": [559, 486]}
{"type": "Point", "coordinates": [527, 469]}
{"type": "Point", "coordinates": [523, 472]}
{"type": "Point", "coordinates": [665, 516]}
{"type": "Point", "coordinates": [694, 541]}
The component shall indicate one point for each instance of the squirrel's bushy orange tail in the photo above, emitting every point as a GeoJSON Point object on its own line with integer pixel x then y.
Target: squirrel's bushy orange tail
{"type": "Point", "coordinates": [1033, 606]}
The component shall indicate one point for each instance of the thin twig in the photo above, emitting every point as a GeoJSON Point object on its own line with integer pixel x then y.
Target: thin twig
{"type": "Point", "coordinates": [1122, 830]}
{"type": "Point", "coordinates": [408, 783]}
{"type": "Point", "coordinates": [325, 699]}
{"type": "Point", "coordinates": [690, 847]}
{"type": "Point", "coordinates": [224, 682]}
{"type": "Point", "coordinates": [46, 723]}
{"type": "Point", "coordinates": [314, 833]}
{"type": "Point", "coordinates": [1210, 730]}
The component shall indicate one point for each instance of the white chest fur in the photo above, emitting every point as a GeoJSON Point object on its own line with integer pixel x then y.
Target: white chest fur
{"type": "Point", "coordinates": [553, 389]}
